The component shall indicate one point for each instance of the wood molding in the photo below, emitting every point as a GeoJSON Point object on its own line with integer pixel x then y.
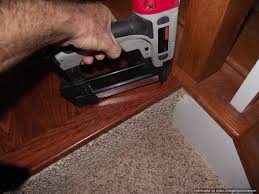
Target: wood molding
{"type": "Point", "coordinates": [212, 27]}
{"type": "Point", "coordinates": [38, 126]}
{"type": "Point", "coordinates": [184, 78]}
{"type": "Point", "coordinates": [50, 144]}
{"type": "Point", "coordinates": [214, 95]}
{"type": "Point", "coordinates": [247, 147]}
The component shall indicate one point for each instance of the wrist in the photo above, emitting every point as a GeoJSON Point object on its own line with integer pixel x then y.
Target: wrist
{"type": "Point", "coordinates": [70, 19]}
{"type": "Point", "coordinates": [62, 25]}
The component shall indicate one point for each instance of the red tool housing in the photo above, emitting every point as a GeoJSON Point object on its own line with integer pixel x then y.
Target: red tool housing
{"type": "Point", "coordinates": [153, 6]}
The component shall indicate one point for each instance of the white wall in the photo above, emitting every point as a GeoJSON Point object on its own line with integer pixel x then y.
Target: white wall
{"type": "Point", "coordinates": [248, 91]}
{"type": "Point", "coordinates": [212, 142]}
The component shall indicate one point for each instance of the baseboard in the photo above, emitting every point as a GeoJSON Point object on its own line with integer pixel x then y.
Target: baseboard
{"type": "Point", "coordinates": [213, 143]}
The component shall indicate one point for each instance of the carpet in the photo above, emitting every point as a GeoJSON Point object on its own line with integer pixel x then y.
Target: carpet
{"type": "Point", "coordinates": [145, 154]}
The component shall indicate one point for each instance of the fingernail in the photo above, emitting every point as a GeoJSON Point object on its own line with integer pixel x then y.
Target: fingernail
{"type": "Point", "coordinates": [88, 60]}
{"type": "Point", "coordinates": [100, 57]}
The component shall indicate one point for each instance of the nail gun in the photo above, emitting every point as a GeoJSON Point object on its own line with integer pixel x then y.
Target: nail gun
{"type": "Point", "coordinates": [151, 30]}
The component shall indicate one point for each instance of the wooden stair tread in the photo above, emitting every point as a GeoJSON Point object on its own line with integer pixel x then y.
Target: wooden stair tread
{"type": "Point", "coordinates": [38, 126]}
{"type": "Point", "coordinates": [55, 127]}
{"type": "Point", "coordinates": [54, 143]}
{"type": "Point", "coordinates": [245, 52]}
{"type": "Point", "coordinates": [214, 95]}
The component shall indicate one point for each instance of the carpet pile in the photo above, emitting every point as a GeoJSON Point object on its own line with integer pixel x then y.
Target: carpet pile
{"type": "Point", "coordinates": [145, 154]}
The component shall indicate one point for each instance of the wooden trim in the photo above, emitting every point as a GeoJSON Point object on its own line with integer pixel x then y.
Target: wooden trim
{"type": "Point", "coordinates": [214, 95]}
{"type": "Point", "coordinates": [211, 29]}
{"type": "Point", "coordinates": [38, 126]}
{"type": "Point", "coordinates": [247, 147]}
{"type": "Point", "coordinates": [184, 78]}
{"type": "Point", "coordinates": [57, 142]}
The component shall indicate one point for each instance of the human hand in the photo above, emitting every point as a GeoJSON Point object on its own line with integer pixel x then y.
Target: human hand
{"type": "Point", "coordinates": [91, 30]}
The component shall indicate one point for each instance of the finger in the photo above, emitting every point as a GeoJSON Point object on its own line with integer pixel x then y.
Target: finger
{"type": "Point", "coordinates": [112, 18]}
{"type": "Point", "coordinates": [99, 57]}
{"type": "Point", "coordinates": [110, 46]}
{"type": "Point", "coordinates": [88, 60]}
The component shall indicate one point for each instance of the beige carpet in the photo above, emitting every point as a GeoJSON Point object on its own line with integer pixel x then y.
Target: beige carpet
{"type": "Point", "coordinates": [145, 154]}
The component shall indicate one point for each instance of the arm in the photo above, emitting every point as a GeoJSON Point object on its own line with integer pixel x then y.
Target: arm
{"type": "Point", "coordinates": [29, 25]}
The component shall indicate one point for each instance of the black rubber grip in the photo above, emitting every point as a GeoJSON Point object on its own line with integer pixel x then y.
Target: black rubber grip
{"type": "Point", "coordinates": [121, 29]}
{"type": "Point", "coordinates": [135, 25]}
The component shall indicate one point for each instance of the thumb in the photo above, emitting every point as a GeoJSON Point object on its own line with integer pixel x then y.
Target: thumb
{"type": "Point", "coordinates": [114, 50]}
{"type": "Point", "coordinates": [111, 47]}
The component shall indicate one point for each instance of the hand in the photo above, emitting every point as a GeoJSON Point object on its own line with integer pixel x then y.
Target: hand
{"type": "Point", "coordinates": [92, 31]}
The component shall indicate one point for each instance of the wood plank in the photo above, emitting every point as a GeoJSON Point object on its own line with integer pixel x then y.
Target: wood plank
{"type": "Point", "coordinates": [35, 107]}
{"type": "Point", "coordinates": [247, 147]}
{"type": "Point", "coordinates": [38, 126]}
{"type": "Point", "coordinates": [212, 29]}
{"type": "Point", "coordinates": [36, 111]}
{"type": "Point", "coordinates": [91, 122]}
{"type": "Point", "coordinates": [26, 109]}
{"type": "Point", "coordinates": [245, 52]}
{"type": "Point", "coordinates": [214, 95]}
{"type": "Point", "coordinates": [31, 103]}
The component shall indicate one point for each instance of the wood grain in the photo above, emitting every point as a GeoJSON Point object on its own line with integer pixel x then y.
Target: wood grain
{"type": "Point", "coordinates": [214, 95]}
{"type": "Point", "coordinates": [93, 120]}
{"type": "Point", "coordinates": [247, 147]}
{"type": "Point", "coordinates": [245, 52]}
{"type": "Point", "coordinates": [26, 109]}
{"type": "Point", "coordinates": [32, 108]}
{"type": "Point", "coordinates": [38, 126]}
{"type": "Point", "coordinates": [212, 29]}
{"type": "Point", "coordinates": [186, 81]}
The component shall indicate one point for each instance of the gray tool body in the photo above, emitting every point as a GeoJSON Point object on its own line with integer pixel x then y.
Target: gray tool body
{"type": "Point", "coordinates": [153, 35]}
{"type": "Point", "coordinates": [140, 32]}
